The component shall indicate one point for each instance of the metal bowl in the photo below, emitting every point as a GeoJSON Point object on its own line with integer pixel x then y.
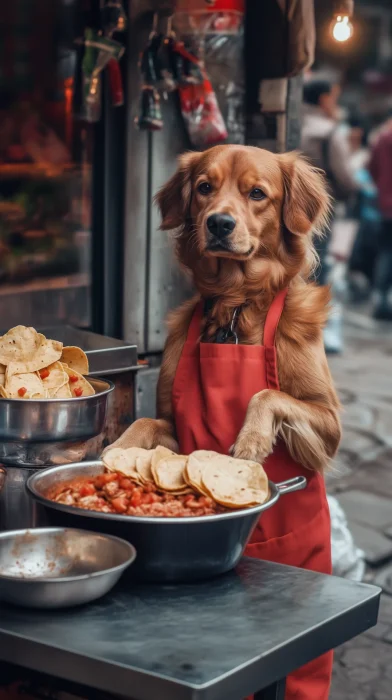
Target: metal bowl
{"type": "Point", "coordinates": [51, 431]}
{"type": "Point", "coordinates": [169, 549]}
{"type": "Point", "coordinates": [58, 568]}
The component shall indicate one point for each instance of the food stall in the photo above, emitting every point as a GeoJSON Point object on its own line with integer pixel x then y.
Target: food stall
{"type": "Point", "coordinates": [147, 543]}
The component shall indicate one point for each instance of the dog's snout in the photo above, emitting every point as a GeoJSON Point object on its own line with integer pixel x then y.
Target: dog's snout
{"type": "Point", "coordinates": [221, 225]}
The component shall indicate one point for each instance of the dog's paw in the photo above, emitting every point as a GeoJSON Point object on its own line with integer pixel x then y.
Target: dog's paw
{"type": "Point", "coordinates": [166, 440]}
{"type": "Point", "coordinates": [253, 445]}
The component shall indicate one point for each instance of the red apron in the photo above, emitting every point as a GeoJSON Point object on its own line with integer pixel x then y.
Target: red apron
{"type": "Point", "coordinates": [212, 388]}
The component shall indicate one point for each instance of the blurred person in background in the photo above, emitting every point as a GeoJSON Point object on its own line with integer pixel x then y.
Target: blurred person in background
{"type": "Point", "coordinates": [361, 264]}
{"type": "Point", "coordinates": [380, 167]}
{"type": "Point", "coordinates": [327, 145]}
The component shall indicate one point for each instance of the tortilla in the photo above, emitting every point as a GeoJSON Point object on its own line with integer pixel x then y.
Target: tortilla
{"type": "Point", "coordinates": [80, 383]}
{"type": "Point", "coordinates": [143, 465]}
{"type": "Point", "coordinates": [197, 462]}
{"type": "Point", "coordinates": [2, 374]}
{"type": "Point", "coordinates": [56, 379]}
{"type": "Point", "coordinates": [117, 456]}
{"type": "Point", "coordinates": [124, 461]}
{"type": "Point", "coordinates": [3, 393]}
{"type": "Point", "coordinates": [64, 392]}
{"type": "Point", "coordinates": [236, 483]}
{"type": "Point", "coordinates": [159, 453]}
{"type": "Point", "coordinates": [27, 350]}
{"type": "Point", "coordinates": [75, 359]}
{"type": "Point", "coordinates": [29, 381]}
{"type": "Point", "coordinates": [169, 473]}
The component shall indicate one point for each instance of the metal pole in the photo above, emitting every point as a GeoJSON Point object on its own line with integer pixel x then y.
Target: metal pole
{"type": "Point", "coordinates": [276, 691]}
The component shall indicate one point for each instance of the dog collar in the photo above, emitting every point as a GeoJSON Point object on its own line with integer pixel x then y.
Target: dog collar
{"type": "Point", "coordinates": [225, 333]}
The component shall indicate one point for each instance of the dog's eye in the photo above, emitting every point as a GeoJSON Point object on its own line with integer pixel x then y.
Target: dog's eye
{"type": "Point", "coordinates": [204, 188]}
{"type": "Point", "coordinates": [257, 193]}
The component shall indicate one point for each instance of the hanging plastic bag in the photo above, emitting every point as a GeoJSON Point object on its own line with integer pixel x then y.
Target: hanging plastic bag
{"type": "Point", "coordinates": [201, 114]}
{"type": "Point", "coordinates": [347, 560]}
{"type": "Point", "coordinates": [214, 33]}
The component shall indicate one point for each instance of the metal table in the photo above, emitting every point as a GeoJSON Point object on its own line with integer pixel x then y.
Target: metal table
{"type": "Point", "coordinates": [226, 638]}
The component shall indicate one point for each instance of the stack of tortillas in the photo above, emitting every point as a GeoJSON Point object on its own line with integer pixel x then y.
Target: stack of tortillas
{"type": "Point", "coordinates": [160, 467]}
{"type": "Point", "coordinates": [34, 367]}
{"type": "Point", "coordinates": [234, 483]}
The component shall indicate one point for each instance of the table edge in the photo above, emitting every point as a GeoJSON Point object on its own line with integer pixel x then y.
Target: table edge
{"type": "Point", "coordinates": [14, 646]}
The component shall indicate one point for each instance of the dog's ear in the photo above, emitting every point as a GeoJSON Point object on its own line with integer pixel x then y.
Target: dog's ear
{"type": "Point", "coordinates": [307, 204]}
{"type": "Point", "coordinates": [174, 198]}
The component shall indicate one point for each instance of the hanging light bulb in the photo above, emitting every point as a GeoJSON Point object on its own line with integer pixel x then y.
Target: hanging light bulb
{"type": "Point", "coordinates": [342, 29]}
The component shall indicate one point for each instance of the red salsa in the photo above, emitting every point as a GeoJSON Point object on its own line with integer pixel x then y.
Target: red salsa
{"type": "Point", "coordinates": [114, 493]}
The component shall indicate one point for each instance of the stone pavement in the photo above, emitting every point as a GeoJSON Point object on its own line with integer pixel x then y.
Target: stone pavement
{"type": "Point", "coordinates": [362, 481]}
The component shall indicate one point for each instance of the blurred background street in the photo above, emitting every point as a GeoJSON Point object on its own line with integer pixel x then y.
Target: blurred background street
{"type": "Point", "coordinates": [362, 481]}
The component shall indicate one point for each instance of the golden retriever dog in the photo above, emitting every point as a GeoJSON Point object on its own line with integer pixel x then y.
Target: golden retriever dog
{"type": "Point", "coordinates": [244, 220]}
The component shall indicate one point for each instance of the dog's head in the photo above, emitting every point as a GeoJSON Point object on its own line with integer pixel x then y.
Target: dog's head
{"type": "Point", "coordinates": [245, 205]}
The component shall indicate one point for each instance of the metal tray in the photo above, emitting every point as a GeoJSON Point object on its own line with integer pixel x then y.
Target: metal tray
{"type": "Point", "coordinates": [106, 355]}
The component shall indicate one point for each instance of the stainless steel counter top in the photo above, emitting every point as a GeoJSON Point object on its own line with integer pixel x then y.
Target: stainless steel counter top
{"type": "Point", "coordinates": [106, 355]}
{"type": "Point", "coordinates": [226, 638]}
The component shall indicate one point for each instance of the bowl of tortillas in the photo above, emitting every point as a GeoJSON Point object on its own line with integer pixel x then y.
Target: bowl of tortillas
{"type": "Point", "coordinates": [47, 399]}
{"type": "Point", "coordinates": [171, 545]}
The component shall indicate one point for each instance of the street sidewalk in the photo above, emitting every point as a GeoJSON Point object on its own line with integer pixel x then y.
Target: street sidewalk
{"type": "Point", "coordinates": [362, 482]}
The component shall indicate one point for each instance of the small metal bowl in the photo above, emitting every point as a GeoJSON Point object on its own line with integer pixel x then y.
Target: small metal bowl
{"type": "Point", "coordinates": [60, 567]}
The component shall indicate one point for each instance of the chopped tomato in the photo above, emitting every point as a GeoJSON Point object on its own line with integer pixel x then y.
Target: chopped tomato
{"type": "Point", "coordinates": [78, 391]}
{"type": "Point", "coordinates": [44, 373]}
{"type": "Point", "coordinates": [22, 391]}
{"type": "Point", "coordinates": [147, 498]}
{"type": "Point", "coordinates": [73, 378]}
{"type": "Point", "coordinates": [87, 490]}
{"type": "Point", "coordinates": [103, 479]}
{"type": "Point", "coordinates": [120, 504]}
{"type": "Point", "coordinates": [136, 497]}
{"type": "Point", "coordinates": [126, 484]}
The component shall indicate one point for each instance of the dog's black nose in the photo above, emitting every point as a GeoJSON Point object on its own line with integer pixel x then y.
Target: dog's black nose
{"type": "Point", "coordinates": [221, 225]}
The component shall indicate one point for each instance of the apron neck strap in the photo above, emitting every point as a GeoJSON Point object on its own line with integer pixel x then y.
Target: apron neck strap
{"type": "Point", "coordinates": [273, 317]}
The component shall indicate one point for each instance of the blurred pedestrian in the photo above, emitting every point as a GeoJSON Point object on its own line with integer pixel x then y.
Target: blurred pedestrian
{"type": "Point", "coordinates": [361, 264]}
{"type": "Point", "coordinates": [326, 144]}
{"type": "Point", "coordinates": [380, 167]}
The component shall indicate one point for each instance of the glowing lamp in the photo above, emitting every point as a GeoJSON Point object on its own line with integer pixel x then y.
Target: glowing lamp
{"type": "Point", "coordinates": [341, 27]}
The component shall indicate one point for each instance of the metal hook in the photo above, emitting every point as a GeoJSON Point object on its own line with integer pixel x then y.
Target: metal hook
{"type": "Point", "coordinates": [155, 21]}
{"type": "Point", "coordinates": [169, 29]}
{"type": "Point", "coordinates": [233, 324]}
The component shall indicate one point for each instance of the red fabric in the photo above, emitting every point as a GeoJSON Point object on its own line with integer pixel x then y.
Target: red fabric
{"type": "Point", "coordinates": [212, 388]}
{"type": "Point", "coordinates": [380, 167]}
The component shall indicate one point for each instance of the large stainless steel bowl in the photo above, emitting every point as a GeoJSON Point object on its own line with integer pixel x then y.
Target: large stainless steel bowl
{"type": "Point", "coordinates": [169, 549]}
{"type": "Point", "coordinates": [57, 568]}
{"type": "Point", "coordinates": [51, 431]}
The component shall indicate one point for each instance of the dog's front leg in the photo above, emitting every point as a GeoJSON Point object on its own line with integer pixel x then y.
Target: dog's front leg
{"type": "Point", "coordinates": [310, 430]}
{"type": "Point", "coordinates": [258, 434]}
{"type": "Point", "coordinates": [148, 433]}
